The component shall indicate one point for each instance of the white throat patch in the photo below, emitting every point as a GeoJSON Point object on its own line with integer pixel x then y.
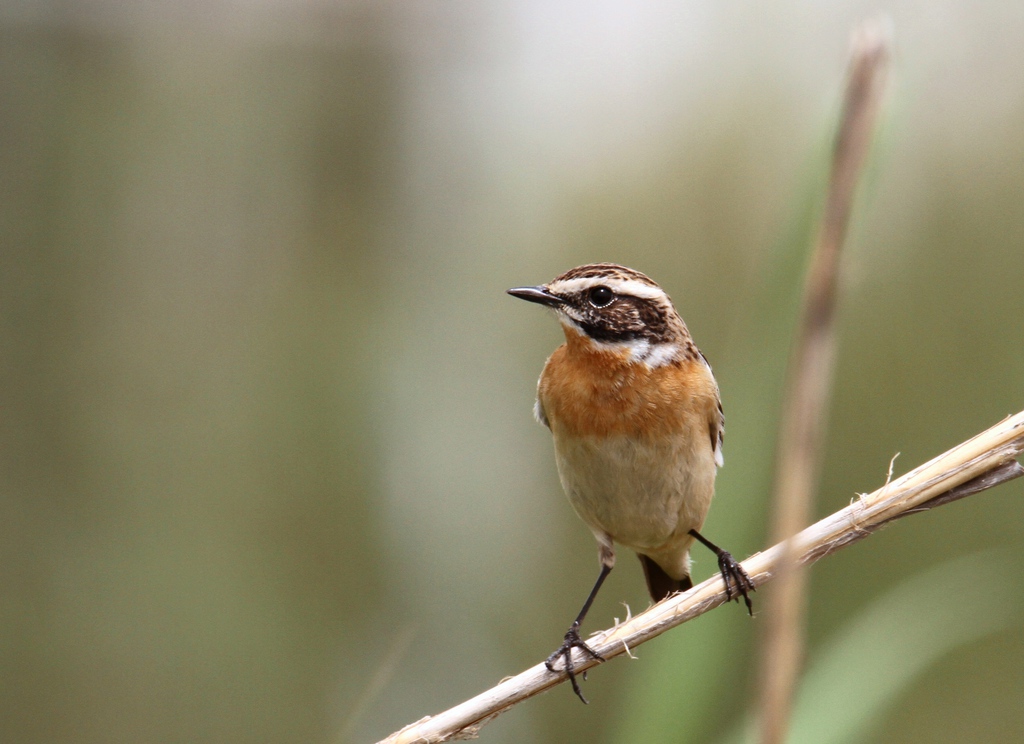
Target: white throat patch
{"type": "Point", "coordinates": [640, 349]}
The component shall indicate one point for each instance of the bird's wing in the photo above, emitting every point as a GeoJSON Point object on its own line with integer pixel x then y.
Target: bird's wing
{"type": "Point", "coordinates": [716, 419]}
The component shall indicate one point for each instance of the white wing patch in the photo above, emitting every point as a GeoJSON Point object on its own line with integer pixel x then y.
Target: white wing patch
{"type": "Point", "coordinates": [538, 413]}
{"type": "Point", "coordinates": [717, 424]}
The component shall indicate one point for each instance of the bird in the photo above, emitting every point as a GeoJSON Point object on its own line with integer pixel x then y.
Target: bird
{"type": "Point", "coordinates": [636, 418]}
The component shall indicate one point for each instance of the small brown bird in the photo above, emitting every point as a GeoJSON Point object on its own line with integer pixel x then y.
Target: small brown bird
{"type": "Point", "coordinates": [637, 423]}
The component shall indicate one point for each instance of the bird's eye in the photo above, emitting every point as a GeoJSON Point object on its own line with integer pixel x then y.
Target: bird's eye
{"type": "Point", "coordinates": [600, 296]}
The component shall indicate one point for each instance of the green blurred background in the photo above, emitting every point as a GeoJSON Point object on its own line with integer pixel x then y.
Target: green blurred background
{"type": "Point", "coordinates": [268, 471]}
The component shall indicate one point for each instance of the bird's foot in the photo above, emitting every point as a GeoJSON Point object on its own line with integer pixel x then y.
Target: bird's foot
{"type": "Point", "coordinates": [737, 580]}
{"type": "Point", "coordinates": [572, 640]}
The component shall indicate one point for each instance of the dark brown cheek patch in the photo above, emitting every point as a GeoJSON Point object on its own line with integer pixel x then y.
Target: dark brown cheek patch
{"type": "Point", "coordinates": [654, 321]}
{"type": "Point", "coordinates": [628, 319]}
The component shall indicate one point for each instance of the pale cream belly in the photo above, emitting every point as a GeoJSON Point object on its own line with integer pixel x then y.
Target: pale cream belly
{"type": "Point", "coordinates": [642, 494]}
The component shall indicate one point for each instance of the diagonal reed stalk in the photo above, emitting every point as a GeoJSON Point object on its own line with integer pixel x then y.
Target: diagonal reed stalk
{"type": "Point", "coordinates": [981, 462]}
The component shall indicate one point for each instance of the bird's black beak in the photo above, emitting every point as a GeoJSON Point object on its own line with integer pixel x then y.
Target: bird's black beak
{"type": "Point", "coordinates": [536, 294]}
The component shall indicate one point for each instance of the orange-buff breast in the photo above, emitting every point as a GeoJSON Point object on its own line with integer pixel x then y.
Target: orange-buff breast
{"type": "Point", "coordinates": [586, 391]}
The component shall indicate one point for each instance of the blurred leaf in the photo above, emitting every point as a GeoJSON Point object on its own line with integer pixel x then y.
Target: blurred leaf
{"type": "Point", "coordinates": [862, 672]}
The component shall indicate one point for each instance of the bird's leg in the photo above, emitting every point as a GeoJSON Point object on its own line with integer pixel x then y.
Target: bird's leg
{"type": "Point", "coordinates": [737, 581]}
{"type": "Point", "coordinates": [572, 639]}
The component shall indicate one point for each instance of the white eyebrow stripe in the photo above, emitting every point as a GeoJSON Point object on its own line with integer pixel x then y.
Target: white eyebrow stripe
{"type": "Point", "coordinates": [630, 287]}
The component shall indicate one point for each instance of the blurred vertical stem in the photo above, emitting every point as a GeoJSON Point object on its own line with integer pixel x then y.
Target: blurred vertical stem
{"type": "Point", "coordinates": [809, 379]}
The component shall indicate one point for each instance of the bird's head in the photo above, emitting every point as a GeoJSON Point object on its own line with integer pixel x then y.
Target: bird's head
{"type": "Point", "coordinates": [616, 308]}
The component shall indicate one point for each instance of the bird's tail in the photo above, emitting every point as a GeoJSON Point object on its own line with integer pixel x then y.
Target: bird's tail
{"type": "Point", "coordinates": [659, 583]}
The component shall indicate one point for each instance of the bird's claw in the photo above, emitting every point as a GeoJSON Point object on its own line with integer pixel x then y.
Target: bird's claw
{"type": "Point", "coordinates": [572, 640]}
{"type": "Point", "coordinates": [737, 580]}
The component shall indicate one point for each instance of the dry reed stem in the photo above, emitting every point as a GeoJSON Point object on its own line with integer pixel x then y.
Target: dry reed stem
{"type": "Point", "coordinates": [808, 387]}
{"type": "Point", "coordinates": [977, 464]}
